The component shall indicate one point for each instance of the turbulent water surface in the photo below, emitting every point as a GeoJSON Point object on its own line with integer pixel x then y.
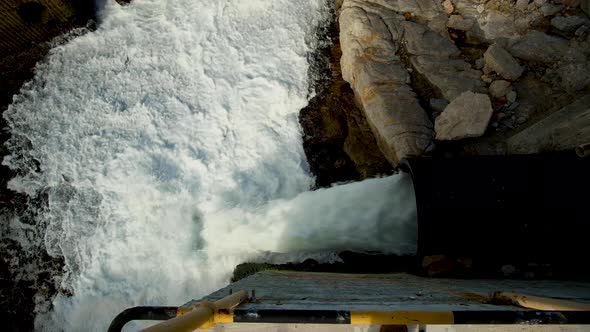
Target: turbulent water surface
{"type": "Point", "coordinates": [168, 147]}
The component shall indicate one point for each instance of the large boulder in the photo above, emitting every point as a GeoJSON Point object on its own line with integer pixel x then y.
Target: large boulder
{"type": "Point", "coordinates": [436, 58]}
{"type": "Point", "coordinates": [537, 46]}
{"type": "Point", "coordinates": [569, 23]}
{"type": "Point", "coordinates": [420, 40]}
{"type": "Point", "coordinates": [451, 76]}
{"type": "Point", "coordinates": [562, 130]}
{"type": "Point", "coordinates": [466, 116]}
{"type": "Point", "coordinates": [499, 60]}
{"type": "Point", "coordinates": [369, 38]}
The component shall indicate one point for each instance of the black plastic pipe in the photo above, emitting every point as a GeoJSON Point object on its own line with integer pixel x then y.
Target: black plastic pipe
{"type": "Point", "coordinates": [526, 210]}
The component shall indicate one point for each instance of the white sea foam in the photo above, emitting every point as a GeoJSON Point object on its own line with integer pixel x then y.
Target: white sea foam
{"type": "Point", "coordinates": [168, 145]}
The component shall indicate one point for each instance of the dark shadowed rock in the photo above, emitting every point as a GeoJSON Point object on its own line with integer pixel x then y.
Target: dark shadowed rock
{"type": "Point", "coordinates": [569, 23]}
{"type": "Point", "coordinates": [537, 46]}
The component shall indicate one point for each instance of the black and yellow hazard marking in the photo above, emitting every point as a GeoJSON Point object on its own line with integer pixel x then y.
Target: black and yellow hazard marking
{"type": "Point", "coordinates": [409, 317]}
{"type": "Point", "coordinates": [358, 317]}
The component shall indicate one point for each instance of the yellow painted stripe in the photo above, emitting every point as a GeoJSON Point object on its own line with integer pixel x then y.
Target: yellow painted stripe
{"type": "Point", "coordinates": [224, 317]}
{"type": "Point", "coordinates": [218, 318]}
{"type": "Point", "coordinates": [401, 317]}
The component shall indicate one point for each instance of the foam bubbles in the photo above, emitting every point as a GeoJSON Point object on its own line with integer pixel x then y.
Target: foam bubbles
{"type": "Point", "coordinates": [168, 146]}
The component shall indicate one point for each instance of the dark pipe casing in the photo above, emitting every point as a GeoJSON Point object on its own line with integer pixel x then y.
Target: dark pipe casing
{"type": "Point", "coordinates": [497, 210]}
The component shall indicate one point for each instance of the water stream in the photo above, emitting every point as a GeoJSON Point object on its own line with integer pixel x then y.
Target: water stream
{"type": "Point", "coordinates": [168, 146]}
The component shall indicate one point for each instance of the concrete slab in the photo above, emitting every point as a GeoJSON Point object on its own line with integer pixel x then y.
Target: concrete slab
{"type": "Point", "coordinates": [287, 290]}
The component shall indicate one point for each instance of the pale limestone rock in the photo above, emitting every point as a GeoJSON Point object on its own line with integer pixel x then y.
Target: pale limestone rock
{"type": "Point", "coordinates": [430, 54]}
{"type": "Point", "coordinates": [466, 116]}
{"type": "Point", "coordinates": [498, 25]}
{"type": "Point", "coordinates": [422, 41]}
{"type": "Point", "coordinates": [499, 60]}
{"type": "Point", "coordinates": [537, 46]}
{"type": "Point", "coordinates": [451, 77]}
{"type": "Point", "coordinates": [499, 88]}
{"type": "Point", "coordinates": [369, 37]}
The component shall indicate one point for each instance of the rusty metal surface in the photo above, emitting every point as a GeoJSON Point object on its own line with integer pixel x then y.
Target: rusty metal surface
{"type": "Point", "coordinates": [317, 291]}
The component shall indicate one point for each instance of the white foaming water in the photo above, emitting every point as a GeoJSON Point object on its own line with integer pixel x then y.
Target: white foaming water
{"type": "Point", "coordinates": [168, 145]}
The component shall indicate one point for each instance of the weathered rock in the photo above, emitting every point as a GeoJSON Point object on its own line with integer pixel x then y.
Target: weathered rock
{"type": "Point", "coordinates": [511, 96]}
{"type": "Point", "coordinates": [537, 46]}
{"type": "Point", "coordinates": [499, 88]}
{"type": "Point", "coordinates": [448, 6]}
{"type": "Point", "coordinates": [498, 25]}
{"type": "Point", "coordinates": [466, 116]}
{"type": "Point", "coordinates": [564, 129]}
{"type": "Point", "coordinates": [369, 40]}
{"type": "Point", "coordinates": [479, 63]}
{"type": "Point", "coordinates": [573, 76]}
{"type": "Point", "coordinates": [423, 9]}
{"type": "Point", "coordinates": [536, 97]}
{"type": "Point", "coordinates": [439, 25]}
{"type": "Point", "coordinates": [422, 41]}
{"type": "Point", "coordinates": [550, 9]}
{"type": "Point", "coordinates": [451, 77]}
{"type": "Point", "coordinates": [522, 4]}
{"type": "Point", "coordinates": [438, 105]}
{"type": "Point", "coordinates": [583, 31]}
{"type": "Point", "coordinates": [569, 23]}
{"type": "Point", "coordinates": [499, 60]}
{"type": "Point", "coordinates": [540, 3]}
{"type": "Point", "coordinates": [457, 22]}
{"type": "Point", "coordinates": [571, 3]}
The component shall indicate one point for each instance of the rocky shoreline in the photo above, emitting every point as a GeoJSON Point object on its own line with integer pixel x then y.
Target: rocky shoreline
{"type": "Point", "coordinates": [394, 78]}
{"type": "Point", "coordinates": [27, 275]}
{"type": "Point", "coordinates": [457, 77]}
{"type": "Point", "coordinates": [338, 143]}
